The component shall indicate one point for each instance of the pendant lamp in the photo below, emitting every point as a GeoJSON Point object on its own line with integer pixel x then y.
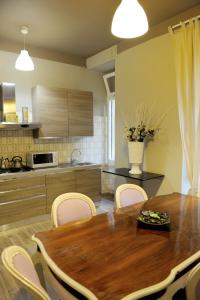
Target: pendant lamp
{"type": "Point", "coordinates": [24, 61]}
{"type": "Point", "coordinates": [130, 20]}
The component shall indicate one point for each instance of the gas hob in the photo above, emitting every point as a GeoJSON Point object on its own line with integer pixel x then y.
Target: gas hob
{"type": "Point", "coordinates": [15, 170]}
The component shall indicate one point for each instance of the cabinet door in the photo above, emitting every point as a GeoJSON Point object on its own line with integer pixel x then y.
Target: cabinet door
{"type": "Point", "coordinates": [88, 182]}
{"type": "Point", "coordinates": [80, 106]}
{"type": "Point", "coordinates": [22, 209]}
{"type": "Point", "coordinates": [58, 184]}
{"type": "Point", "coordinates": [50, 109]}
{"type": "Point", "coordinates": [21, 198]}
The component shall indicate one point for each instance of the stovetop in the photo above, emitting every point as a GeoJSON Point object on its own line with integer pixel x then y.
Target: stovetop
{"type": "Point", "coordinates": [15, 170]}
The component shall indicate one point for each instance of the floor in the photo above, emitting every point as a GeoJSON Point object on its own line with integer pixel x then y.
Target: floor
{"type": "Point", "coordinates": [21, 236]}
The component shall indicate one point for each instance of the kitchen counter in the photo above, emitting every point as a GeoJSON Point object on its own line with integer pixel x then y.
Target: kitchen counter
{"type": "Point", "coordinates": [125, 173]}
{"type": "Point", "coordinates": [150, 182]}
{"type": "Point", "coordinates": [64, 167]}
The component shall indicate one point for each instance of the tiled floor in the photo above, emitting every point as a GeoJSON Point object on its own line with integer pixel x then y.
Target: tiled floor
{"type": "Point", "coordinates": [21, 235]}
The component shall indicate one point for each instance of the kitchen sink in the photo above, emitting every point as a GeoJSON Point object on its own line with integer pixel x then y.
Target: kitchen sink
{"type": "Point", "coordinates": [82, 164]}
{"type": "Point", "coordinates": [75, 164]}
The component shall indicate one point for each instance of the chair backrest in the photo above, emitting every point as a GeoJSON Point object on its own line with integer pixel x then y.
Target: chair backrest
{"type": "Point", "coordinates": [18, 262]}
{"type": "Point", "coordinates": [193, 284]}
{"type": "Point", "coordinates": [129, 194]}
{"type": "Point", "coordinates": [71, 207]}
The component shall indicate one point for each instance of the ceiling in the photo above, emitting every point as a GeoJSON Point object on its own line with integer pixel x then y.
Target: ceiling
{"type": "Point", "coordinates": [77, 27]}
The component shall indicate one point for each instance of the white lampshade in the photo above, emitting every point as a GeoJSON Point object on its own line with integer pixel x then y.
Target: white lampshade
{"type": "Point", "coordinates": [129, 20]}
{"type": "Point", "coordinates": [24, 62]}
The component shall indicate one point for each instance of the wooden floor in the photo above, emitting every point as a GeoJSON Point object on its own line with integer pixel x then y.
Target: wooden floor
{"type": "Point", "coordinates": [21, 236]}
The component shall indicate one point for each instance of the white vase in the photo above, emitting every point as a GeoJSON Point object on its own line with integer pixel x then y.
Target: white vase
{"type": "Point", "coordinates": [135, 152]}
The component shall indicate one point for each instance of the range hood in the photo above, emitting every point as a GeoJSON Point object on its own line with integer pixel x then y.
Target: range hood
{"type": "Point", "coordinates": [8, 106]}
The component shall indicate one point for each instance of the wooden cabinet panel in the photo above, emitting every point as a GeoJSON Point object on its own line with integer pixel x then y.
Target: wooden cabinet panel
{"type": "Point", "coordinates": [21, 198]}
{"type": "Point", "coordinates": [50, 108]}
{"type": "Point", "coordinates": [88, 182]}
{"type": "Point", "coordinates": [22, 209]}
{"type": "Point", "coordinates": [80, 109]}
{"type": "Point", "coordinates": [8, 184]}
{"type": "Point", "coordinates": [62, 112]}
{"type": "Point", "coordinates": [13, 195]}
{"type": "Point", "coordinates": [58, 184]}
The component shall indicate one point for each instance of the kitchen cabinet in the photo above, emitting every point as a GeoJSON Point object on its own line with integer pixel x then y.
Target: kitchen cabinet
{"type": "Point", "coordinates": [88, 182]}
{"type": "Point", "coordinates": [28, 196]}
{"type": "Point", "coordinates": [57, 184]}
{"type": "Point", "coordinates": [62, 112]}
{"type": "Point", "coordinates": [50, 109]}
{"type": "Point", "coordinates": [22, 198]}
{"type": "Point", "coordinates": [80, 107]}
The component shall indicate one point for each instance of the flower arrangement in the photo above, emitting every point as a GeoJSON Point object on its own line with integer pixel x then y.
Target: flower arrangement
{"type": "Point", "coordinates": [145, 127]}
{"type": "Point", "coordinates": [139, 133]}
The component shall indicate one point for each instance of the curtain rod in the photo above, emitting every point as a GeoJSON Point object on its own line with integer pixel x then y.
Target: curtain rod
{"type": "Point", "coordinates": [185, 22]}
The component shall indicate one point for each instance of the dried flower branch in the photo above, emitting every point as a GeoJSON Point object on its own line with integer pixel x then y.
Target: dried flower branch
{"type": "Point", "coordinates": [145, 127]}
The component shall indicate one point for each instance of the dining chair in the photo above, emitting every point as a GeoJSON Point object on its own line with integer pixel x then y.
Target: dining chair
{"type": "Point", "coordinates": [19, 264]}
{"type": "Point", "coordinates": [193, 284]}
{"type": "Point", "coordinates": [71, 207]}
{"type": "Point", "coordinates": [129, 194]}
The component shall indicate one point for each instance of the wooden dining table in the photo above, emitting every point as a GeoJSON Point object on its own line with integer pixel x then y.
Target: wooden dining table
{"type": "Point", "coordinates": [111, 257]}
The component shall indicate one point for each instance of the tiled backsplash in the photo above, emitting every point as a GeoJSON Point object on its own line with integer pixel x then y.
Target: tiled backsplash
{"type": "Point", "coordinates": [20, 142]}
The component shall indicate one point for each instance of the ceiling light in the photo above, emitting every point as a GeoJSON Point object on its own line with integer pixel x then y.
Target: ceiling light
{"type": "Point", "coordinates": [24, 61]}
{"type": "Point", "coordinates": [129, 20]}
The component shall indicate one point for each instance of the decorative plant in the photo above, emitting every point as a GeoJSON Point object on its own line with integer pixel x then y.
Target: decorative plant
{"type": "Point", "coordinates": [144, 127]}
{"type": "Point", "coordinates": [139, 133]}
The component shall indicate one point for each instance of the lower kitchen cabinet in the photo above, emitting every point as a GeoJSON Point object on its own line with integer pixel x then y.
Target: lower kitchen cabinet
{"type": "Point", "coordinates": [22, 209]}
{"type": "Point", "coordinates": [22, 198]}
{"type": "Point", "coordinates": [86, 181]}
{"type": "Point", "coordinates": [28, 196]}
{"type": "Point", "coordinates": [57, 184]}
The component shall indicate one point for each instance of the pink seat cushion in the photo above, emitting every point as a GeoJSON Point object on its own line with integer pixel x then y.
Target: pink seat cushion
{"type": "Point", "coordinates": [72, 210]}
{"type": "Point", "coordinates": [130, 197]}
{"type": "Point", "coordinates": [25, 267]}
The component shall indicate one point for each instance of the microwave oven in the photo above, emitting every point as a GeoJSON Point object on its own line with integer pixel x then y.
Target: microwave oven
{"type": "Point", "coordinates": [36, 160]}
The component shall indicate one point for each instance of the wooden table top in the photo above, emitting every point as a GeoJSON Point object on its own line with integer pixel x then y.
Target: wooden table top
{"type": "Point", "coordinates": [109, 257]}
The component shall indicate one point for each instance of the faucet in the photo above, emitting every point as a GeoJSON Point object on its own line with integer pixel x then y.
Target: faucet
{"type": "Point", "coordinates": [73, 161]}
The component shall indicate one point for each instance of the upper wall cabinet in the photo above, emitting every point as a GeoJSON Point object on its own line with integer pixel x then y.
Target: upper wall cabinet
{"type": "Point", "coordinates": [62, 112]}
{"type": "Point", "coordinates": [50, 108]}
{"type": "Point", "coordinates": [80, 107]}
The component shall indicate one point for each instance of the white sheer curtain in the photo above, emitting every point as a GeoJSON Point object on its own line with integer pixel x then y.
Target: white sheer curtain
{"type": "Point", "coordinates": [186, 41]}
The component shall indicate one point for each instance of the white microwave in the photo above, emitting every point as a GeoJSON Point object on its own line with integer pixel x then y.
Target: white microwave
{"type": "Point", "coordinates": [36, 160]}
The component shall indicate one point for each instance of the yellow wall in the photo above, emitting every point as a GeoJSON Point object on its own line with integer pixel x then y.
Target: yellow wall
{"type": "Point", "coordinates": [146, 74]}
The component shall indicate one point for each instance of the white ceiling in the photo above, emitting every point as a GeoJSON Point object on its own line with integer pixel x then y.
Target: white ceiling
{"type": "Point", "coordinates": [78, 27]}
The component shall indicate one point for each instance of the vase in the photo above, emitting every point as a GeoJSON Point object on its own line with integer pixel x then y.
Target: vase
{"type": "Point", "coordinates": [136, 151]}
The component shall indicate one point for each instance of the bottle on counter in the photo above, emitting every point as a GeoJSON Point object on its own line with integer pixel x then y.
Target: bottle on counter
{"type": "Point", "coordinates": [24, 114]}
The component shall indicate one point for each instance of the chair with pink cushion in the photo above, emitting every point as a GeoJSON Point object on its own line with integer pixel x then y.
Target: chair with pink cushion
{"type": "Point", "coordinates": [129, 194]}
{"type": "Point", "coordinates": [18, 262]}
{"type": "Point", "coordinates": [71, 207]}
{"type": "Point", "coordinates": [193, 284]}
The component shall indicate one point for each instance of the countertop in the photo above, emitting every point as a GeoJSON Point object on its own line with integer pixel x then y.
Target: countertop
{"type": "Point", "coordinates": [124, 172]}
{"type": "Point", "coordinates": [65, 167]}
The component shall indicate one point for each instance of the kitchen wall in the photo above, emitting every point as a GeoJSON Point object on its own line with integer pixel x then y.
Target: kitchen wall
{"type": "Point", "coordinates": [53, 74]}
{"type": "Point", "coordinates": [146, 74]}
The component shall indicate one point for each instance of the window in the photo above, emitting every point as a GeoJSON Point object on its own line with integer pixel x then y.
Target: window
{"type": "Point", "coordinates": [109, 80]}
{"type": "Point", "coordinates": [111, 129]}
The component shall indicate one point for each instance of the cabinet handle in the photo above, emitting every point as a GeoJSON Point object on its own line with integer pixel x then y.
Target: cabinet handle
{"type": "Point", "coordinates": [7, 179]}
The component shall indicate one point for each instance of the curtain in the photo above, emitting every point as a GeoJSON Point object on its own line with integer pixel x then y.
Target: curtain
{"type": "Point", "coordinates": [186, 42]}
